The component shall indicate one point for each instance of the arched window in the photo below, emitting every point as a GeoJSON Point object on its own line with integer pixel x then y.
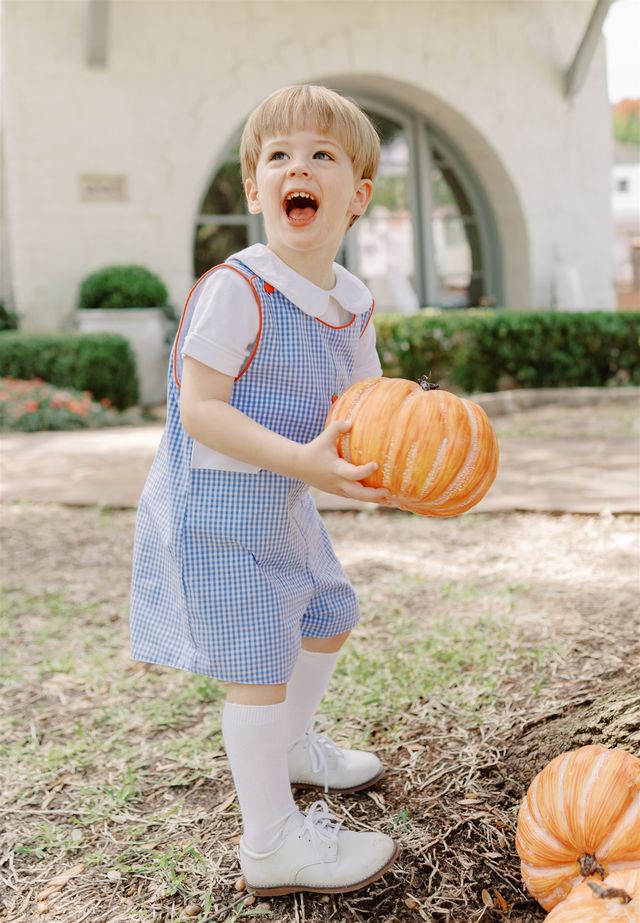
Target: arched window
{"type": "Point", "coordinates": [224, 225]}
{"type": "Point", "coordinates": [428, 237]}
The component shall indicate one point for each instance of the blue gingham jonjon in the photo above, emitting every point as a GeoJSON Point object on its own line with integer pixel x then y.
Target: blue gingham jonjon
{"type": "Point", "coordinates": [231, 568]}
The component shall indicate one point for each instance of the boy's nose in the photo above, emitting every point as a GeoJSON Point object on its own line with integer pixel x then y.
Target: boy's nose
{"type": "Point", "coordinates": [299, 168]}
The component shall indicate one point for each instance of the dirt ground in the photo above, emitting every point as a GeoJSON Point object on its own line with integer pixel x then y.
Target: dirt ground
{"type": "Point", "coordinates": [471, 628]}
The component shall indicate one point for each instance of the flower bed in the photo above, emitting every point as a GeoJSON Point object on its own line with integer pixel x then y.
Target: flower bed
{"type": "Point", "coordinates": [30, 406]}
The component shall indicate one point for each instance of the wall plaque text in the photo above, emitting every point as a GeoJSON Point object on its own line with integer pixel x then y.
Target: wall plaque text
{"type": "Point", "coordinates": [100, 187]}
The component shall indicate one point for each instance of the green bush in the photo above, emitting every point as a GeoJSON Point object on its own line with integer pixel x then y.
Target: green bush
{"type": "Point", "coordinates": [119, 287]}
{"type": "Point", "coordinates": [8, 319]}
{"type": "Point", "coordinates": [101, 363]}
{"type": "Point", "coordinates": [483, 350]}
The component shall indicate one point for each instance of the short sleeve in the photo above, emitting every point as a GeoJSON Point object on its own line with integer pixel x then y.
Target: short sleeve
{"type": "Point", "coordinates": [367, 364]}
{"type": "Point", "coordinates": [225, 323]}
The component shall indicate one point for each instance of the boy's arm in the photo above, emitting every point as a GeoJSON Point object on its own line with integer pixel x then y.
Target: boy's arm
{"type": "Point", "coordinates": [208, 418]}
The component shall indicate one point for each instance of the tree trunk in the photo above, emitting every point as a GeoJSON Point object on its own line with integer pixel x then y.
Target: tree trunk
{"type": "Point", "coordinates": [609, 718]}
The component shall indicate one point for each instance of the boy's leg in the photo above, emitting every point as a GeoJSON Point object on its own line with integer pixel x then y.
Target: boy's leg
{"type": "Point", "coordinates": [282, 850]}
{"type": "Point", "coordinates": [314, 760]}
{"type": "Point", "coordinates": [254, 729]}
{"type": "Point", "coordinates": [246, 694]}
{"type": "Point", "coordinates": [311, 675]}
{"type": "Point", "coordinates": [325, 645]}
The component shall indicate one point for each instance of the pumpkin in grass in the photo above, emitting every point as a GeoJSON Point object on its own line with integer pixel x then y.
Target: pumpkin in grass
{"type": "Point", "coordinates": [615, 900]}
{"type": "Point", "coordinates": [580, 818]}
{"type": "Point", "coordinates": [436, 453]}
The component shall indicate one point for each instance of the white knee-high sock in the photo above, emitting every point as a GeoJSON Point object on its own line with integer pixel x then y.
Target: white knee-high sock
{"type": "Point", "coordinates": [256, 741]}
{"type": "Point", "coordinates": [305, 689]}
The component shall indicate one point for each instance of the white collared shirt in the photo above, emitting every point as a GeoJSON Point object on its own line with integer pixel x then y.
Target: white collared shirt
{"type": "Point", "coordinates": [225, 323]}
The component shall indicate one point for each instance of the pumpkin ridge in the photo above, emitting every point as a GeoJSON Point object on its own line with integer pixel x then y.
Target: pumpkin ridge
{"type": "Point", "coordinates": [351, 408]}
{"type": "Point", "coordinates": [435, 468]}
{"type": "Point", "coordinates": [466, 470]}
{"type": "Point", "coordinates": [626, 823]}
{"type": "Point", "coordinates": [425, 443]}
{"type": "Point", "coordinates": [624, 865]}
{"type": "Point", "coordinates": [590, 814]}
{"type": "Point", "coordinates": [383, 437]}
{"type": "Point", "coordinates": [482, 487]}
{"type": "Point", "coordinates": [466, 502]}
{"type": "Point", "coordinates": [409, 464]}
{"type": "Point", "coordinates": [588, 801]}
{"type": "Point", "coordinates": [561, 801]}
{"type": "Point", "coordinates": [447, 424]}
{"type": "Point", "coordinates": [535, 827]}
{"type": "Point", "coordinates": [397, 435]}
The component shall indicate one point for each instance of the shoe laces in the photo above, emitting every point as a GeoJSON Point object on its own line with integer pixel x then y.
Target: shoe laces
{"type": "Point", "coordinates": [322, 826]}
{"type": "Point", "coordinates": [321, 749]}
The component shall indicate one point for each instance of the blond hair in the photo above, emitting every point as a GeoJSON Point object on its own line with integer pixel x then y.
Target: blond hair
{"type": "Point", "coordinates": [303, 106]}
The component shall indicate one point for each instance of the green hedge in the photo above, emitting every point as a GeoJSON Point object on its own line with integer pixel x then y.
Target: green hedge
{"type": "Point", "coordinates": [102, 363]}
{"type": "Point", "coordinates": [484, 350]}
{"type": "Point", "coordinates": [8, 319]}
{"type": "Point", "coordinates": [119, 287]}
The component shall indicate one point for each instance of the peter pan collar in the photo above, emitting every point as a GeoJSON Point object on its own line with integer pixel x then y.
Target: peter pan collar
{"type": "Point", "coordinates": [352, 294]}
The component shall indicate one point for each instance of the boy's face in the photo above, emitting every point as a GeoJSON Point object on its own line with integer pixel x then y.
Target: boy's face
{"type": "Point", "coordinates": [319, 169]}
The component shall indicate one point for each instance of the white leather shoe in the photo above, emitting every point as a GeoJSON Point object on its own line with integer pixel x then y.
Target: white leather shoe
{"type": "Point", "coordinates": [317, 855]}
{"type": "Point", "coordinates": [316, 762]}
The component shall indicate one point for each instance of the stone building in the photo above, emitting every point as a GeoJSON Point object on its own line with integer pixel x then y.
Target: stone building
{"type": "Point", "coordinates": [121, 119]}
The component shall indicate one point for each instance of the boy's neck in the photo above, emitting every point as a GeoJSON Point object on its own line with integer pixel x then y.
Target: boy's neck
{"type": "Point", "coordinates": [317, 268]}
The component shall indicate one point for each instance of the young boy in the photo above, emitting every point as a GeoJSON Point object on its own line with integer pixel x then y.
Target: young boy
{"type": "Point", "coordinates": [234, 574]}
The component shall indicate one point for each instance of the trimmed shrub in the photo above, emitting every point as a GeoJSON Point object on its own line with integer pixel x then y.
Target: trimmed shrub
{"type": "Point", "coordinates": [119, 287]}
{"type": "Point", "coordinates": [482, 350]}
{"type": "Point", "coordinates": [101, 363]}
{"type": "Point", "coordinates": [8, 319]}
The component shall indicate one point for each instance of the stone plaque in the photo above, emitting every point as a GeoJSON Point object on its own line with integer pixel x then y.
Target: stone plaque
{"type": "Point", "coordinates": [103, 187]}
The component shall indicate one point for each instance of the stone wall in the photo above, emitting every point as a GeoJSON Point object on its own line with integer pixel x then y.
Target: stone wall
{"type": "Point", "coordinates": [181, 77]}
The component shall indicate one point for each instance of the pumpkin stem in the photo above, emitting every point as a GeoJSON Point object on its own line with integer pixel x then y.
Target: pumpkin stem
{"type": "Point", "coordinates": [589, 865]}
{"type": "Point", "coordinates": [610, 893]}
{"type": "Point", "coordinates": [426, 384]}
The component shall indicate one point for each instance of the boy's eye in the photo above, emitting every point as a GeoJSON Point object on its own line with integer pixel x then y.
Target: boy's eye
{"type": "Point", "coordinates": [277, 155]}
{"type": "Point", "coordinates": [323, 155]}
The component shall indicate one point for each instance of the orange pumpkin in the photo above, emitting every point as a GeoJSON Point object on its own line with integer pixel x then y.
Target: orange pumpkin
{"type": "Point", "coordinates": [436, 453]}
{"type": "Point", "coordinates": [580, 817]}
{"type": "Point", "coordinates": [615, 900]}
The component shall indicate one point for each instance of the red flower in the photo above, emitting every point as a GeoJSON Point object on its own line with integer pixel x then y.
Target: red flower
{"type": "Point", "coordinates": [82, 408]}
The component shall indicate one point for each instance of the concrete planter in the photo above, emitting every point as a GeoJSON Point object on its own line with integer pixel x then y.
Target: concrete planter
{"type": "Point", "coordinates": [145, 330]}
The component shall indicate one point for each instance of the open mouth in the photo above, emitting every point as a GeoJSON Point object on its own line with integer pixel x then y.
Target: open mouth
{"type": "Point", "coordinates": [300, 207]}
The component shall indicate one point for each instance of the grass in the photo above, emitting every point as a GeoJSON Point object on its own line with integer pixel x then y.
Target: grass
{"type": "Point", "coordinates": [120, 767]}
{"type": "Point", "coordinates": [119, 747]}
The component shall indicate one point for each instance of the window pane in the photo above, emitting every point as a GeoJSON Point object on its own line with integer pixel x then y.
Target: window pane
{"type": "Point", "coordinates": [225, 195]}
{"type": "Point", "coordinates": [384, 236]}
{"type": "Point", "coordinates": [215, 242]}
{"type": "Point", "coordinates": [456, 242]}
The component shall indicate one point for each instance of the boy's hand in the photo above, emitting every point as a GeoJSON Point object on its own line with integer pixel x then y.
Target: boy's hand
{"type": "Point", "coordinates": [320, 466]}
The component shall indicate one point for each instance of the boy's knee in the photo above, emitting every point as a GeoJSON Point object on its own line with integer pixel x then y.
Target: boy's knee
{"type": "Point", "coordinates": [247, 694]}
{"type": "Point", "coordinates": [325, 645]}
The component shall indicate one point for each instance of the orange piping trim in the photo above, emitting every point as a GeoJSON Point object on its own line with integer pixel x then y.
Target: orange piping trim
{"type": "Point", "coordinates": [184, 312]}
{"type": "Point", "coordinates": [373, 304]}
{"type": "Point", "coordinates": [333, 327]}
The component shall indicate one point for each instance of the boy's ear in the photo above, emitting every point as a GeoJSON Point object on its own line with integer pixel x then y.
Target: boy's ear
{"type": "Point", "coordinates": [253, 199]}
{"type": "Point", "coordinates": [361, 197]}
